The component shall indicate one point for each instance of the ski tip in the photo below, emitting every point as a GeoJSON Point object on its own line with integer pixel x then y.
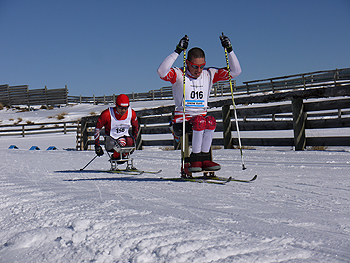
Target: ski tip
{"type": "Point", "coordinates": [254, 178]}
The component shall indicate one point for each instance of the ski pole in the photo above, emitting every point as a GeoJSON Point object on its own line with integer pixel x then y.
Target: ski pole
{"type": "Point", "coordinates": [183, 113]}
{"type": "Point", "coordinates": [88, 163]}
{"type": "Point", "coordinates": [234, 109]}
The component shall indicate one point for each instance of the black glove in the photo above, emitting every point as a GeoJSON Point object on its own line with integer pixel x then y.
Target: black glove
{"type": "Point", "coordinates": [226, 43]}
{"type": "Point", "coordinates": [183, 44]}
{"type": "Point", "coordinates": [99, 150]}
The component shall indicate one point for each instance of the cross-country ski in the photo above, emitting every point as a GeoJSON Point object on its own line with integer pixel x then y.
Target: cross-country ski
{"type": "Point", "coordinates": [210, 179]}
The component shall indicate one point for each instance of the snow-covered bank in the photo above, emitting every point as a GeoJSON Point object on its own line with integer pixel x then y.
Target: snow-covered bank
{"type": "Point", "coordinates": [296, 211]}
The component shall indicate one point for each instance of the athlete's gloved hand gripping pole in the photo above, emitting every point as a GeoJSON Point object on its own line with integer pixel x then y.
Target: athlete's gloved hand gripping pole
{"type": "Point", "coordinates": [98, 150]}
{"type": "Point", "coordinates": [226, 43]}
{"type": "Point", "coordinates": [182, 46]}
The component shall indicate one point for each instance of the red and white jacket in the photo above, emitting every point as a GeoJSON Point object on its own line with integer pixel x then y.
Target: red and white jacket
{"type": "Point", "coordinates": [197, 90]}
{"type": "Point", "coordinates": [111, 117]}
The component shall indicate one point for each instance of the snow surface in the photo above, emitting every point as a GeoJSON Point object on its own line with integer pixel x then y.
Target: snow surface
{"type": "Point", "coordinates": [298, 210]}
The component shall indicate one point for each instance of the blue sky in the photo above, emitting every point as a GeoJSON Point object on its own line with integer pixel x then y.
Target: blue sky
{"type": "Point", "coordinates": [110, 47]}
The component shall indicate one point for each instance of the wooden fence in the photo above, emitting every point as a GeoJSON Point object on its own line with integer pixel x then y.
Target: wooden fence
{"type": "Point", "coordinates": [301, 81]}
{"type": "Point", "coordinates": [322, 113]}
{"type": "Point", "coordinates": [294, 89]}
{"type": "Point", "coordinates": [21, 95]}
{"type": "Point", "coordinates": [38, 128]}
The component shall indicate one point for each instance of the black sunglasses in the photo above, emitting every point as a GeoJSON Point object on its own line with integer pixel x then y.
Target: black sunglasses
{"type": "Point", "coordinates": [122, 108]}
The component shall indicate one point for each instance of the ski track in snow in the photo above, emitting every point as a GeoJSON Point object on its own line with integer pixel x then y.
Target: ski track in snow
{"type": "Point", "coordinates": [296, 211]}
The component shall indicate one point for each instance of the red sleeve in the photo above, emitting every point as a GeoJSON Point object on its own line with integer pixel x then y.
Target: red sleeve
{"type": "Point", "coordinates": [104, 120]}
{"type": "Point", "coordinates": [134, 124]}
{"type": "Point", "coordinates": [221, 75]}
{"type": "Point", "coordinates": [171, 76]}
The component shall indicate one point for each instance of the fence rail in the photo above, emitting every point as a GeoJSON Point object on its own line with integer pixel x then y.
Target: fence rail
{"type": "Point", "coordinates": [38, 128]}
{"type": "Point", "coordinates": [327, 114]}
{"type": "Point", "coordinates": [293, 88]}
{"type": "Point", "coordinates": [332, 111]}
{"type": "Point", "coordinates": [21, 95]}
{"type": "Point", "coordinates": [301, 81]}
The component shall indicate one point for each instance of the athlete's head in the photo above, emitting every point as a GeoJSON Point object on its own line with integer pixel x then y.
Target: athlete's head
{"type": "Point", "coordinates": [195, 61]}
{"type": "Point", "coordinates": [122, 103]}
{"type": "Point", "coordinates": [195, 52]}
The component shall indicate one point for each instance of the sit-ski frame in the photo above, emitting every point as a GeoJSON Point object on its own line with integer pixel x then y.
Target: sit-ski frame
{"type": "Point", "coordinates": [111, 145]}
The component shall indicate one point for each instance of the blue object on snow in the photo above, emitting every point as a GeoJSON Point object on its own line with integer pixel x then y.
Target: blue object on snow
{"type": "Point", "coordinates": [13, 147]}
{"type": "Point", "coordinates": [34, 148]}
{"type": "Point", "coordinates": [51, 148]}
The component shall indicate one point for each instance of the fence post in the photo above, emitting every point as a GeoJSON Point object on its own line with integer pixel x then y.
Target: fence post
{"type": "Point", "coordinates": [336, 76]}
{"type": "Point", "coordinates": [66, 94]}
{"type": "Point", "coordinates": [299, 121]}
{"type": "Point", "coordinates": [9, 96]}
{"type": "Point", "coordinates": [272, 86]}
{"type": "Point", "coordinates": [79, 138]}
{"type": "Point", "coordinates": [84, 132]}
{"type": "Point", "coordinates": [186, 147]}
{"type": "Point", "coordinates": [65, 128]}
{"type": "Point", "coordinates": [28, 99]}
{"type": "Point", "coordinates": [226, 121]}
{"type": "Point", "coordinates": [23, 131]}
{"type": "Point", "coordinates": [139, 140]}
{"type": "Point", "coordinates": [177, 144]}
{"type": "Point", "coordinates": [46, 96]}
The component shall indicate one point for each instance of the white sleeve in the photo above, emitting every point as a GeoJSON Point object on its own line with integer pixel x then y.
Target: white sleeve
{"type": "Point", "coordinates": [235, 68]}
{"type": "Point", "coordinates": [166, 65]}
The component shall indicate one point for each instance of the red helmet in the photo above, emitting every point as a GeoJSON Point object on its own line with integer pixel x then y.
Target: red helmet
{"type": "Point", "coordinates": [122, 100]}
